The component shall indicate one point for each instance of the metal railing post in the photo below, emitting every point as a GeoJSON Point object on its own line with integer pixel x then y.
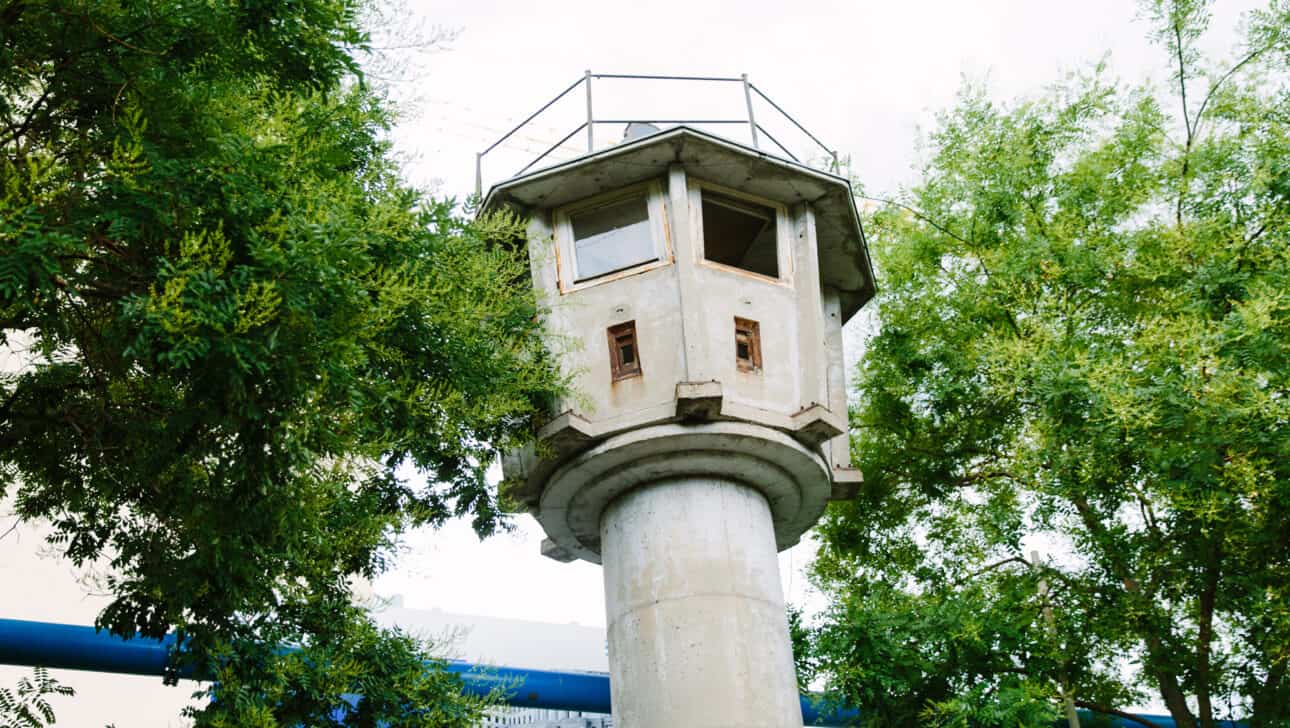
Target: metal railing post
{"type": "Point", "coordinates": [755, 131]}
{"type": "Point", "coordinates": [752, 121]}
{"type": "Point", "coordinates": [479, 174]}
{"type": "Point", "coordinates": [591, 122]}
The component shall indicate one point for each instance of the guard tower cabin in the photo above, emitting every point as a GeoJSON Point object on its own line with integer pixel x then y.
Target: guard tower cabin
{"type": "Point", "coordinates": [705, 281]}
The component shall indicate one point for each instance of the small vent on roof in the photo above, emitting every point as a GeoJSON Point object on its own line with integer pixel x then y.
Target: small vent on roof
{"type": "Point", "coordinates": [638, 129]}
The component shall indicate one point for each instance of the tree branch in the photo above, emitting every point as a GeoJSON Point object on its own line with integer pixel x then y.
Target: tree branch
{"type": "Point", "coordinates": [1257, 233]}
{"type": "Point", "coordinates": [918, 214]}
{"type": "Point", "coordinates": [991, 567]}
{"type": "Point", "coordinates": [1222, 79]}
{"type": "Point", "coordinates": [1010, 319]}
{"type": "Point", "coordinates": [1182, 89]}
{"type": "Point", "coordinates": [13, 527]}
{"type": "Point", "coordinates": [1182, 78]}
{"type": "Point", "coordinates": [121, 41]}
{"type": "Point", "coordinates": [1117, 713]}
{"type": "Point", "coordinates": [1144, 507]}
{"type": "Point", "coordinates": [981, 475]}
{"type": "Point", "coordinates": [22, 128]}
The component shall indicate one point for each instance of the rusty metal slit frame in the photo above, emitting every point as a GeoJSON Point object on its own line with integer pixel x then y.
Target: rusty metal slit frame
{"type": "Point", "coordinates": [589, 125]}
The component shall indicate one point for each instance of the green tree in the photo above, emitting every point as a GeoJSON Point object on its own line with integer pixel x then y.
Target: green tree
{"type": "Point", "coordinates": [245, 337]}
{"type": "Point", "coordinates": [27, 705]}
{"type": "Point", "coordinates": [1084, 344]}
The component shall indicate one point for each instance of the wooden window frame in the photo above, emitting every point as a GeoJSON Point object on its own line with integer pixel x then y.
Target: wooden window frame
{"type": "Point", "coordinates": [621, 336]}
{"type": "Point", "coordinates": [783, 232]}
{"type": "Point", "coordinates": [566, 257]}
{"type": "Point", "coordinates": [748, 333]}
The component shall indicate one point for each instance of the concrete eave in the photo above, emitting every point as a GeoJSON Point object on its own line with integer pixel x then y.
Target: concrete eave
{"type": "Point", "coordinates": [844, 254]}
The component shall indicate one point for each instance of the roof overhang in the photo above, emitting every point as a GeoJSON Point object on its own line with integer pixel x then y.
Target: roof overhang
{"type": "Point", "coordinates": [844, 255]}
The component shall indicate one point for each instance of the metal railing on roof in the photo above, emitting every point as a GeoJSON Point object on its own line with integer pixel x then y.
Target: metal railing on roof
{"type": "Point", "coordinates": [755, 130]}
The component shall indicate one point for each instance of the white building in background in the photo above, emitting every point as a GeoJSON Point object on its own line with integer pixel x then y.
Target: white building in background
{"type": "Point", "coordinates": [511, 643]}
{"type": "Point", "coordinates": [502, 642]}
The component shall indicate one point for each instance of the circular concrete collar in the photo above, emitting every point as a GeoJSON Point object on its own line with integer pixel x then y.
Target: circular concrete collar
{"type": "Point", "coordinates": [794, 480]}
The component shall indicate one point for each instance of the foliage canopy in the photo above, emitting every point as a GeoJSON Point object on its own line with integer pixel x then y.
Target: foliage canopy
{"type": "Point", "coordinates": [240, 331]}
{"type": "Point", "coordinates": [1084, 346]}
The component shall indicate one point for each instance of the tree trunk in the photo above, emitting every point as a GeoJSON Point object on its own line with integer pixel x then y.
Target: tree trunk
{"type": "Point", "coordinates": [1157, 655]}
{"type": "Point", "coordinates": [1174, 698]}
{"type": "Point", "coordinates": [1269, 709]}
{"type": "Point", "coordinates": [1204, 640]}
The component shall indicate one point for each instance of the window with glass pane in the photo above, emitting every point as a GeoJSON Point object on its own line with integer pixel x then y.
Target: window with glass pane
{"type": "Point", "coordinates": [612, 237]}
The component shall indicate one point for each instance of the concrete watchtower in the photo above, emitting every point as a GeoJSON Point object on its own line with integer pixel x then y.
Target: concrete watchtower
{"type": "Point", "coordinates": [707, 282]}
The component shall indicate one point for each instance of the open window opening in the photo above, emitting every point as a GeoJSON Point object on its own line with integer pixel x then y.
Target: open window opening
{"type": "Point", "coordinates": [612, 237]}
{"type": "Point", "coordinates": [624, 352]}
{"type": "Point", "coordinates": [740, 234]}
{"type": "Point", "coordinates": [747, 345]}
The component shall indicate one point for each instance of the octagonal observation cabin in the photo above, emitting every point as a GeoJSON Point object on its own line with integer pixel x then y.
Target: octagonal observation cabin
{"type": "Point", "coordinates": [696, 287]}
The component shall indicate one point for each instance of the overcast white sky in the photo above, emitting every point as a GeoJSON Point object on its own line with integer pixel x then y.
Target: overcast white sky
{"type": "Point", "coordinates": [864, 76]}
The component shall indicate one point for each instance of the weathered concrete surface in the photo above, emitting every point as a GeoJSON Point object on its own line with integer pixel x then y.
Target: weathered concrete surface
{"type": "Point", "coordinates": [794, 480]}
{"type": "Point", "coordinates": [844, 259]}
{"type": "Point", "coordinates": [698, 635]}
{"type": "Point", "coordinates": [684, 306]}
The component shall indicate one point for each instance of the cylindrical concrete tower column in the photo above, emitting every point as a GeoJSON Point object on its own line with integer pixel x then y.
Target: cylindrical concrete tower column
{"type": "Point", "coordinates": [698, 634]}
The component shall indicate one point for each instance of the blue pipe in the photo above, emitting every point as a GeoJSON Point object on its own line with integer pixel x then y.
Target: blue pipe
{"type": "Point", "coordinates": [75, 647]}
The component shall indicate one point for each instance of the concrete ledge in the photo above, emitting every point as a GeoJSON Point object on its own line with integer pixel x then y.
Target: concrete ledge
{"type": "Point", "coordinates": [553, 550]}
{"type": "Point", "coordinates": [698, 401]}
{"type": "Point", "coordinates": [522, 476]}
{"type": "Point", "coordinates": [567, 433]}
{"type": "Point", "coordinates": [794, 479]}
{"type": "Point", "coordinates": [524, 472]}
{"type": "Point", "coordinates": [846, 483]}
{"type": "Point", "coordinates": [527, 472]}
{"type": "Point", "coordinates": [738, 411]}
{"type": "Point", "coordinates": [815, 424]}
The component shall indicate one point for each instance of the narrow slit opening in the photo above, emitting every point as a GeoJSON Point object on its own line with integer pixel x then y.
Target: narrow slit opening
{"type": "Point", "coordinates": [624, 351]}
{"type": "Point", "coordinates": [747, 345]}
